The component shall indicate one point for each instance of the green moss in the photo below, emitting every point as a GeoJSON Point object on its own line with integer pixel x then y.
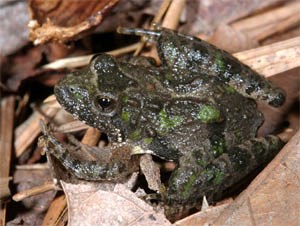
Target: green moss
{"type": "Point", "coordinates": [125, 115]}
{"type": "Point", "coordinates": [168, 122]}
{"type": "Point", "coordinates": [209, 114]}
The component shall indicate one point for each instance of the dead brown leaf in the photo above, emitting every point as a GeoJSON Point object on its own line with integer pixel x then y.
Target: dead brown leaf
{"type": "Point", "coordinates": [203, 217]}
{"type": "Point", "coordinates": [151, 171]}
{"type": "Point", "coordinates": [88, 205]}
{"type": "Point", "coordinates": [51, 21]}
{"type": "Point", "coordinates": [34, 207]}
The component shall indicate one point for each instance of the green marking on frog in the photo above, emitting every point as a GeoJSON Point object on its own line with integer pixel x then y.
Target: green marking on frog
{"type": "Point", "coordinates": [219, 175]}
{"type": "Point", "coordinates": [218, 147]}
{"type": "Point", "coordinates": [135, 135]}
{"type": "Point", "coordinates": [220, 61]}
{"type": "Point", "coordinates": [189, 184]}
{"type": "Point", "coordinates": [214, 174]}
{"type": "Point", "coordinates": [229, 89]}
{"type": "Point", "coordinates": [169, 76]}
{"type": "Point", "coordinates": [78, 96]}
{"type": "Point", "coordinates": [202, 163]}
{"type": "Point", "coordinates": [125, 99]}
{"type": "Point", "coordinates": [209, 114]}
{"type": "Point", "coordinates": [125, 116]}
{"type": "Point", "coordinates": [168, 122]}
{"type": "Point", "coordinates": [148, 140]}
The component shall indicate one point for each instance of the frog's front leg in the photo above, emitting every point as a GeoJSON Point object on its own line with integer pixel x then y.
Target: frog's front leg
{"type": "Point", "coordinates": [114, 164]}
{"type": "Point", "coordinates": [190, 56]}
{"type": "Point", "coordinates": [195, 177]}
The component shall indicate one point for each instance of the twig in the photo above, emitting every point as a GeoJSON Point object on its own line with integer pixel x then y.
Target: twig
{"type": "Point", "coordinates": [30, 129]}
{"type": "Point", "coordinates": [37, 166]}
{"type": "Point", "coordinates": [172, 17]}
{"type": "Point", "coordinates": [56, 211]}
{"type": "Point", "coordinates": [274, 58]}
{"type": "Point", "coordinates": [73, 62]}
{"type": "Point", "coordinates": [91, 137]}
{"type": "Point", "coordinates": [6, 138]}
{"type": "Point", "coordinates": [33, 191]}
{"type": "Point", "coordinates": [263, 25]}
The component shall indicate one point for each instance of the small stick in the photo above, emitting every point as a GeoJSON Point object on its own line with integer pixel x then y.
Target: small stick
{"type": "Point", "coordinates": [56, 211]}
{"type": "Point", "coordinates": [33, 191]}
{"type": "Point", "coordinates": [91, 137]}
{"type": "Point", "coordinates": [274, 58]}
{"type": "Point", "coordinates": [6, 138]}
{"type": "Point", "coordinates": [27, 132]}
{"type": "Point", "coordinates": [37, 166]}
{"type": "Point", "coordinates": [172, 17]}
{"type": "Point", "coordinates": [81, 61]}
{"type": "Point", "coordinates": [268, 23]}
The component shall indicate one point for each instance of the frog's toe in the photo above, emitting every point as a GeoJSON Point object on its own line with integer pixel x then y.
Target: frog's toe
{"type": "Point", "coordinates": [277, 99]}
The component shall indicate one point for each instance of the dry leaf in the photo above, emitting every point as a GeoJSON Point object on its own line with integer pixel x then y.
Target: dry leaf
{"type": "Point", "coordinates": [51, 21]}
{"type": "Point", "coordinates": [151, 171]}
{"type": "Point", "coordinates": [91, 206]}
{"type": "Point", "coordinates": [203, 217]}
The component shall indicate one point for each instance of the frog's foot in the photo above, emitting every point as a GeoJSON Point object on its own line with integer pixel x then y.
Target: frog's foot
{"type": "Point", "coordinates": [190, 182]}
{"type": "Point", "coordinates": [115, 163]}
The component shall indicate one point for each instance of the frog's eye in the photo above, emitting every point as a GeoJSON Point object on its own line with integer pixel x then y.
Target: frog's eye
{"type": "Point", "coordinates": [106, 104]}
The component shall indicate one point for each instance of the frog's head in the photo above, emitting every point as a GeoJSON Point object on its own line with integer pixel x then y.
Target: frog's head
{"type": "Point", "coordinates": [96, 95]}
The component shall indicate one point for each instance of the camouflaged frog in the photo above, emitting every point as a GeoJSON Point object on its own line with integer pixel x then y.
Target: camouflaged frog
{"type": "Point", "coordinates": [197, 109]}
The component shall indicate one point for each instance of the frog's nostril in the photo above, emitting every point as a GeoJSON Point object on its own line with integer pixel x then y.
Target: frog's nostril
{"type": "Point", "coordinates": [60, 93]}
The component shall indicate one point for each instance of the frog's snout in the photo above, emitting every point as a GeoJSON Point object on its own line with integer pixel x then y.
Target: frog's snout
{"type": "Point", "coordinates": [60, 93]}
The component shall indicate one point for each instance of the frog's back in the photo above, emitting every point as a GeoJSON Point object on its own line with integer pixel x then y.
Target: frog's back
{"type": "Point", "coordinates": [204, 114]}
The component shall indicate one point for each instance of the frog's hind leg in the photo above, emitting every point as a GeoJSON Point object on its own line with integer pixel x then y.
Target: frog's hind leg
{"type": "Point", "coordinates": [114, 163]}
{"type": "Point", "coordinates": [244, 158]}
{"type": "Point", "coordinates": [194, 178]}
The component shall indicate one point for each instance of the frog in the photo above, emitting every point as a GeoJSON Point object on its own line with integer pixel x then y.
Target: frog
{"type": "Point", "coordinates": [197, 109]}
